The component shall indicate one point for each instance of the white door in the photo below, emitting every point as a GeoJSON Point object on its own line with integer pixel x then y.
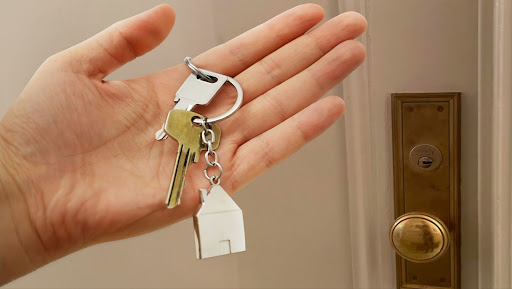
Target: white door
{"type": "Point", "coordinates": [330, 232]}
{"type": "Point", "coordinates": [433, 46]}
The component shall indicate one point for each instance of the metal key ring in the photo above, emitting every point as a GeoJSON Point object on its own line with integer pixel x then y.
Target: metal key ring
{"type": "Point", "coordinates": [197, 70]}
{"type": "Point", "coordinates": [236, 105]}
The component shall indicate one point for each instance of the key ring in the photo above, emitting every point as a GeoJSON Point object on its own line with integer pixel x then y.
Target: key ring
{"type": "Point", "coordinates": [197, 70]}
{"type": "Point", "coordinates": [203, 73]}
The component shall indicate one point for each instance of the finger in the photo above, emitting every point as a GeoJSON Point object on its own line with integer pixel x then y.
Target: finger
{"type": "Point", "coordinates": [239, 53]}
{"type": "Point", "coordinates": [298, 92]}
{"type": "Point", "coordinates": [246, 49]}
{"type": "Point", "coordinates": [289, 60]}
{"type": "Point", "coordinates": [279, 66]}
{"type": "Point", "coordinates": [120, 43]}
{"type": "Point", "coordinates": [273, 146]}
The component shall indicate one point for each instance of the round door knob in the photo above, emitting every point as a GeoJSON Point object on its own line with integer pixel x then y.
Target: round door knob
{"type": "Point", "coordinates": [419, 237]}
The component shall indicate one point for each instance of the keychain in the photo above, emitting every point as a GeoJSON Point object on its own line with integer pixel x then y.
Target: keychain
{"type": "Point", "coordinates": [182, 124]}
{"type": "Point", "coordinates": [218, 224]}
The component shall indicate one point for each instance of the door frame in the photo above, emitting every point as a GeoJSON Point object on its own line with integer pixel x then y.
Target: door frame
{"type": "Point", "coordinates": [495, 143]}
{"type": "Point", "coordinates": [371, 202]}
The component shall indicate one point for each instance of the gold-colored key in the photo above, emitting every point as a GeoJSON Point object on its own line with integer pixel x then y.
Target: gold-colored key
{"type": "Point", "coordinates": [179, 125]}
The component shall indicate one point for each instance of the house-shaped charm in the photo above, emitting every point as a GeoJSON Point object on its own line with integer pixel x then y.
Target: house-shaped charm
{"type": "Point", "coordinates": [218, 225]}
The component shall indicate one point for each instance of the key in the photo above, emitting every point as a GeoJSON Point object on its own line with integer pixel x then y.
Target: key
{"type": "Point", "coordinates": [160, 134]}
{"type": "Point", "coordinates": [179, 125]}
{"type": "Point", "coordinates": [195, 91]}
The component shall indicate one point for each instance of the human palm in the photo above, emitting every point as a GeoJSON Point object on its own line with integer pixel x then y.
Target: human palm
{"type": "Point", "coordinates": [87, 164]}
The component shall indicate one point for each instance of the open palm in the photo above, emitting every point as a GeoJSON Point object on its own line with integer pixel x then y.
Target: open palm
{"type": "Point", "coordinates": [86, 161]}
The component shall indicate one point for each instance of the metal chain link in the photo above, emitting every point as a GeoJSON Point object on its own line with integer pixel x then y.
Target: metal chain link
{"type": "Point", "coordinates": [208, 138]}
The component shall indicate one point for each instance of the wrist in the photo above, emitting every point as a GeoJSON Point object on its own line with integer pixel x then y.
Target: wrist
{"type": "Point", "coordinates": [21, 250]}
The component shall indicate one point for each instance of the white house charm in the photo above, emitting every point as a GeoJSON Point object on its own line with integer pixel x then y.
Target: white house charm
{"type": "Point", "coordinates": [218, 224]}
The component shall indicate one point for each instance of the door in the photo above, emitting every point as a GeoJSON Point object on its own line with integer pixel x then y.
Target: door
{"type": "Point", "coordinates": [425, 47]}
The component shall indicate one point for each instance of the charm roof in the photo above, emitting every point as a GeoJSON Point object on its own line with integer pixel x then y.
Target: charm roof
{"type": "Point", "coordinates": [217, 201]}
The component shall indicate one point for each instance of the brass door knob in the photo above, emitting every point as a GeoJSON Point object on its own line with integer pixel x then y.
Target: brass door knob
{"type": "Point", "coordinates": [419, 237]}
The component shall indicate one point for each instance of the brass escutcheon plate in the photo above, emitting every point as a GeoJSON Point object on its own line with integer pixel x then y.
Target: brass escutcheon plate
{"type": "Point", "coordinates": [426, 165]}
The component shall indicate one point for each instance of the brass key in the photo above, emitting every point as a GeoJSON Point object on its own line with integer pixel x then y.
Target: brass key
{"type": "Point", "coordinates": [179, 125]}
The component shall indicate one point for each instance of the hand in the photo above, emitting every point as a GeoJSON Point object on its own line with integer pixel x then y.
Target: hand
{"type": "Point", "coordinates": [80, 162]}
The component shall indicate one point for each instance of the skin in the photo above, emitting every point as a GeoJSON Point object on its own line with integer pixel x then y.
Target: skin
{"type": "Point", "coordinates": [78, 161]}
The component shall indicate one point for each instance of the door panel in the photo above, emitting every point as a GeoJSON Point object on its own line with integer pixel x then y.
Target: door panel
{"type": "Point", "coordinates": [413, 46]}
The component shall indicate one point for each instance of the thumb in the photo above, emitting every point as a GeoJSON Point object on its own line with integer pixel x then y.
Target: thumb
{"type": "Point", "coordinates": [120, 43]}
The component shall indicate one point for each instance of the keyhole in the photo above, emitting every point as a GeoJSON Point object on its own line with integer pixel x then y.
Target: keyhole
{"type": "Point", "coordinates": [425, 162]}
